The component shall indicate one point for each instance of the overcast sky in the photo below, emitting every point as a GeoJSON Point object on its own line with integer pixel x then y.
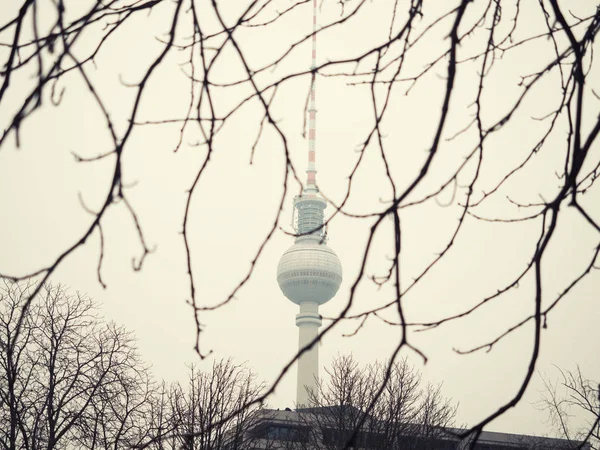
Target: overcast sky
{"type": "Point", "coordinates": [236, 203]}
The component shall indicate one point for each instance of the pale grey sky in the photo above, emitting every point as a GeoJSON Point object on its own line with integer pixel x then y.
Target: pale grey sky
{"type": "Point", "coordinates": [236, 203]}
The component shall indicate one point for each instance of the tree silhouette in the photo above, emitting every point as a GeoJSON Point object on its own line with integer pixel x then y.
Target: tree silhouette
{"type": "Point", "coordinates": [203, 410]}
{"type": "Point", "coordinates": [348, 411]}
{"type": "Point", "coordinates": [69, 377]}
{"type": "Point", "coordinates": [574, 393]}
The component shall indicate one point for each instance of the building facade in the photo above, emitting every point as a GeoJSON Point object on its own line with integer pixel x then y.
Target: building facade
{"type": "Point", "coordinates": [320, 429]}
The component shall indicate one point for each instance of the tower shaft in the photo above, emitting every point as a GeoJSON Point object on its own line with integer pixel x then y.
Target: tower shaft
{"type": "Point", "coordinates": [308, 322]}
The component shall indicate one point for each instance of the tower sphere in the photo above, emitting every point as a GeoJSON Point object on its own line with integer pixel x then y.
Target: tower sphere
{"type": "Point", "coordinates": [309, 271]}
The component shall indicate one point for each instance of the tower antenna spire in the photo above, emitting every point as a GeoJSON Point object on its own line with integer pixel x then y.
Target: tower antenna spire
{"type": "Point", "coordinates": [311, 172]}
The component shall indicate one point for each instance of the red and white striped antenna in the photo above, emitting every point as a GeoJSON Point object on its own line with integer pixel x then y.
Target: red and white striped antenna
{"type": "Point", "coordinates": [311, 183]}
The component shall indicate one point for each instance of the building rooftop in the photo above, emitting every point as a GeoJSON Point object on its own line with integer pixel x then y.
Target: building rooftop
{"type": "Point", "coordinates": [297, 425]}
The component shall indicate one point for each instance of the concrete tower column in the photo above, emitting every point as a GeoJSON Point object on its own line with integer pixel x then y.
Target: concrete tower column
{"type": "Point", "coordinates": [308, 322]}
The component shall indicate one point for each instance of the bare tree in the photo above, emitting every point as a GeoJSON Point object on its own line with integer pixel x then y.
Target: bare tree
{"type": "Point", "coordinates": [574, 394]}
{"type": "Point", "coordinates": [70, 378]}
{"type": "Point", "coordinates": [348, 411]}
{"type": "Point", "coordinates": [163, 418]}
{"type": "Point", "coordinates": [49, 46]}
{"type": "Point", "coordinates": [17, 368]}
{"type": "Point", "coordinates": [199, 415]}
{"type": "Point", "coordinates": [119, 414]}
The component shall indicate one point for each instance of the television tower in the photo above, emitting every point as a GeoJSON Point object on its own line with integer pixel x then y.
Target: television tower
{"type": "Point", "coordinates": [309, 272]}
